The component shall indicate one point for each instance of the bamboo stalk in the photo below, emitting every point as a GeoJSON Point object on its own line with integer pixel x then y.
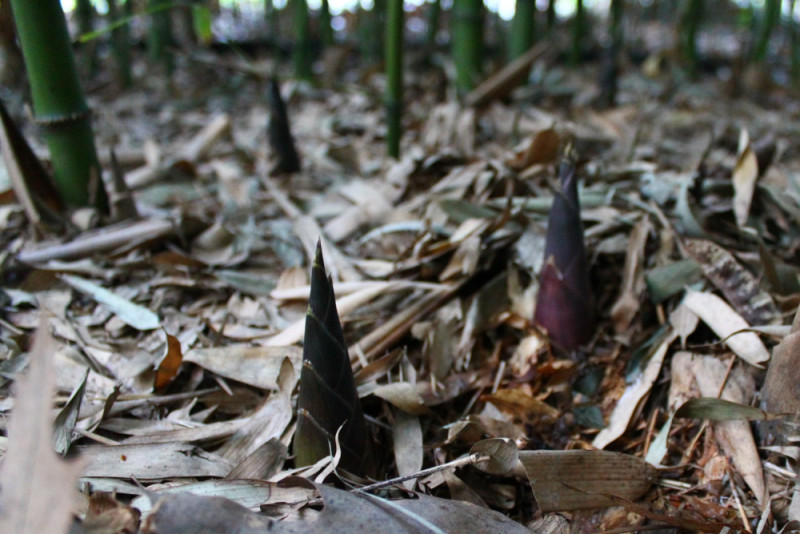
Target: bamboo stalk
{"type": "Point", "coordinates": [578, 33]}
{"type": "Point", "coordinates": [692, 13]}
{"type": "Point", "coordinates": [394, 76]}
{"type": "Point", "coordinates": [772, 14]}
{"type": "Point", "coordinates": [301, 50]}
{"type": "Point", "coordinates": [120, 45]}
{"type": "Point", "coordinates": [60, 108]}
{"type": "Point", "coordinates": [467, 43]}
{"type": "Point", "coordinates": [159, 35]}
{"type": "Point", "coordinates": [325, 24]}
{"type": "Point", "coordinates": [522, 28]}
{"type": "Point", "coordinates": [434, 9]}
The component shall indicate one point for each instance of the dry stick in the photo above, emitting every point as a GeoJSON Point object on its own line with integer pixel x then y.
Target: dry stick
{"type": "Point", "coordinates": [500, 84]}
{"type": "Point", "coordinates": [390, 332]}
{"type": "Point", "coordinates": [472, 459]}
{"type": "Point", "coordinates": [101, 241]}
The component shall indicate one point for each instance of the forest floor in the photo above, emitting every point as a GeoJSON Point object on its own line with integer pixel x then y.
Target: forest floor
{"type": "Point", "coordinates": [171, 345]}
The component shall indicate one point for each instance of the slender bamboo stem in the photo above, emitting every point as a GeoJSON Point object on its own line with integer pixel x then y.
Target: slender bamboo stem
{"type": "Point", "coordinates": [772, 14]}
{"type": "Point", "coordinates": [159, 35]}
{"type": "Point", "coordinates": [394, 76]}
{"type": "Point", "coordinates": [301, 49]}
{"type": "Point", "coordinates": [326, 30]}
{"type": "Point", "coordinates": [578, 33]}
{"type": "Point", "coordinates": [617, 9]}
{"type": "Point", "coordinates": [120, 45]}
{"type": "Point", "coordinates": [692, 13]}
{"type": "Point", "coordinates": [60, 108]}
{"type": "Point", "coordinates": [522, 28]}
{"type": "Point", "coordinates": [434, 10]}
{"type": "Point", "coordinates": [467, 43]}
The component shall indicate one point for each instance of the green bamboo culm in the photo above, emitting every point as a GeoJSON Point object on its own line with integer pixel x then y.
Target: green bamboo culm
{"type": "Point", "coordinates": [772, 14]}
{"type": "Point", "coordinates": [578, 33]}
{"type": "Point", "coordinates": [434, 9]}
{"type": "Point", "coordinates": [120, 45]}
{"type": "Point", "coordinates": [616, 11]}
{"type": "Point", "coordinates": [301, 49]}
{"type": "Point", "coordinates": [794, 43]}
{"type": "Point", "coordinates": [691, 17]}
{"type": "Point", "coordinates": [467, 43]}
{"type": "Point", "coordinates": [395, 22]}
{"type": "Point", "coordinates": [159, 35]}
{"type": "Point", "coordinates": [551, 16]}
{"type": "Point", "coordinates": [84, 12]}
{"type": "Point", "coordinates": [326, 30]}
{"type": "Point", "coordinates": [58, 102]}
{"type": "Point", "coordinates": [370, 23]}
{"type": "Point", "coordinates": [522, 28]}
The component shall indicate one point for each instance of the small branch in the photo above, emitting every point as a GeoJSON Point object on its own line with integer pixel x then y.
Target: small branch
{"type": "Point", "coordinates": [472, 459]}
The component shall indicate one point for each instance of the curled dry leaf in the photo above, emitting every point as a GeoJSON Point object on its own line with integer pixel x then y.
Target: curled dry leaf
{"type": "Point", "coordinates": [744, 179]}
{"type": "Point", "coordinates": [503, 455]}
{"type": "Point", "coordinates": [728, 325]}
{"type": "Point", "coordinates": [170, 364]}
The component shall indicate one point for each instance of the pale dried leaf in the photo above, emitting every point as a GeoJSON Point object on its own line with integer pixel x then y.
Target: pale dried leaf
{"type": "Point", "coordinates": [407, 440]}
{"type": "Point", "coordinates": [744, 179]}
{"type": "Point", "coordinates": [132, 314]}
{"type": "Point", "coordinates": [257, 366]}
{"type": "Point", "coordinates": [728, 325]}
{"type": "Point", "coordinates": [36, 484]}
{"type": "Point", "coordinates": [628, 404]}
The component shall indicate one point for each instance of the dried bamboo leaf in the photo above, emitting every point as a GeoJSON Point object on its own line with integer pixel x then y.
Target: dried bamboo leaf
{"type": "Point", "coordinates": [574, 480]}
{"type": "Point", "coordinates": [734, 437]}
{"type": "Point", "coordinates": [715, 409]}
{"type": "Point", "coordinates": [152, 462]}
{"type": "Point", "coordinates": [728, 325]}
{"type": "Point", "coordinates": [36, 484]}
{"type": "Point", "coordinates": [132, 314]}
{"type": "Point", "coordinates": [67, 417]}
{"type": "Point", "coordinates": [744, 179]}
{"type": "Point", "coordinates": [633, 395]}
{"type": "Point", "coordinates": [257, 366]}
{"type": "Point", "coordinates": [739, 286]}
{"type": "Point", "coordinates": [407, 441]}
